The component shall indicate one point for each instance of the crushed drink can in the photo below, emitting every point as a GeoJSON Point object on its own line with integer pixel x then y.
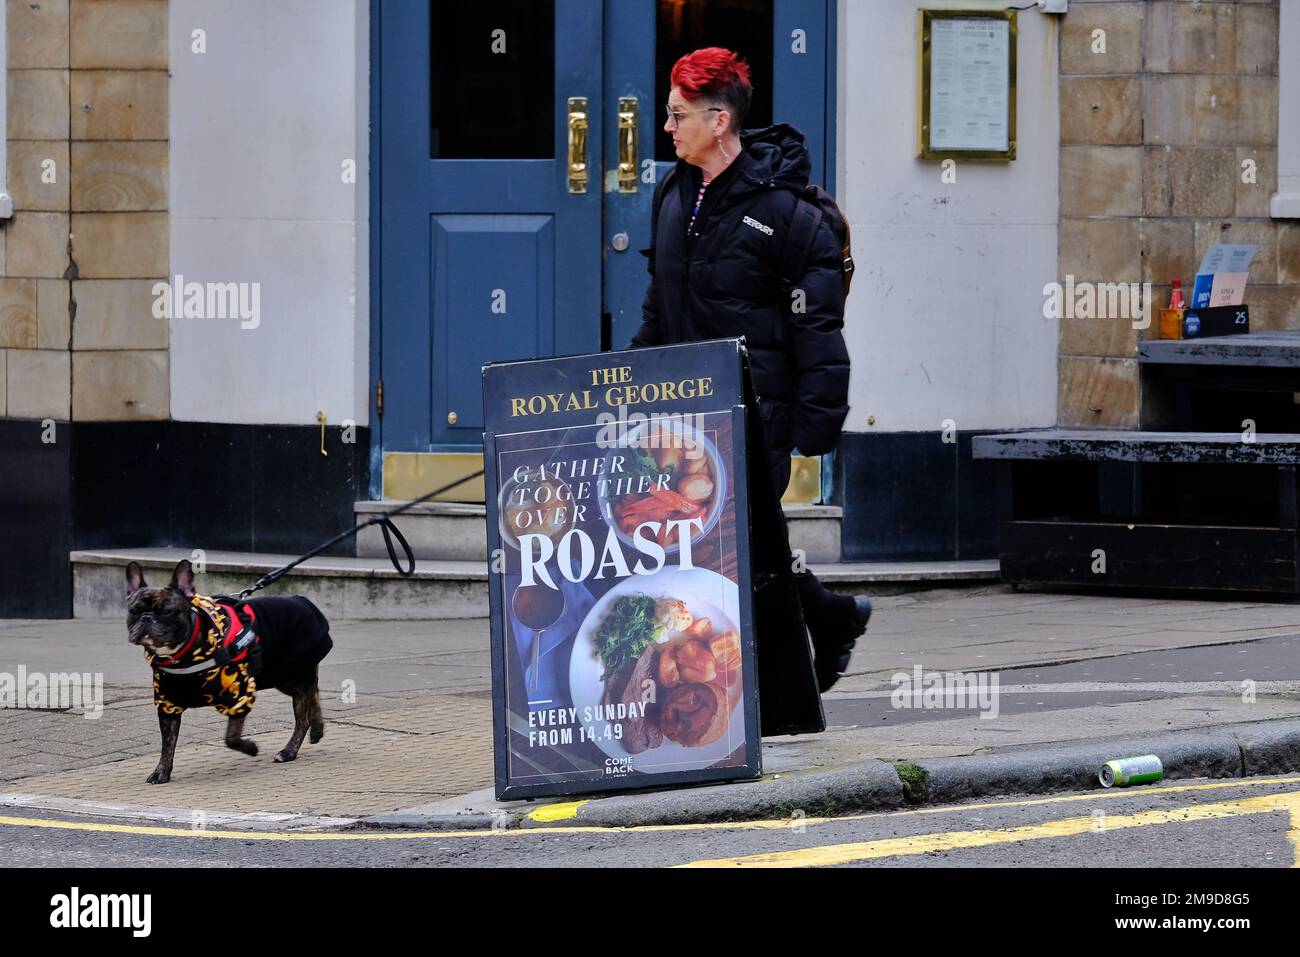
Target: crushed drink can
{"type": "Point", "coordinates": [1124, 772]}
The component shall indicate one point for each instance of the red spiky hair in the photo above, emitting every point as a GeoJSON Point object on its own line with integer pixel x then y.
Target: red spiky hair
{"type": "Point", "coordinates": [717, 74]}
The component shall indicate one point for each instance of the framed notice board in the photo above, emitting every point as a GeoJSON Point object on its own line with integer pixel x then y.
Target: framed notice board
{"type": "Point", "coordinates": [967, 85]}
{"type": "Point", "coordinates": [622, 593]}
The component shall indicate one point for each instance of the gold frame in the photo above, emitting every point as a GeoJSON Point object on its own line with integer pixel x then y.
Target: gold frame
{"type": "Point", "coordinates": [923, 150]}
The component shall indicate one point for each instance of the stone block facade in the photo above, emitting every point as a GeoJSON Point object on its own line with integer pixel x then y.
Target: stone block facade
{"type": "Point", "coordinates": [87, 102]}
{"type": "Point", "coordinates": [1169, 133]}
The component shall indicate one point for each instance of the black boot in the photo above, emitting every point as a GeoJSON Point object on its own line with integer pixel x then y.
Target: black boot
{"type": "Point", "coordinates": [834, 649]}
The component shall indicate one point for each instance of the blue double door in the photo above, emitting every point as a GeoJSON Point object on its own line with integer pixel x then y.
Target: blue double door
{"type": "Point", "coordinates": [515, 155]}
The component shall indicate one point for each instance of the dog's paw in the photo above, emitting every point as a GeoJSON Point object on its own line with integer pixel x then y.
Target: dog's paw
{"type": "Point", "coordinates": [286, 755]}
{"type": "Point", "coordinates": [159, 776]}
{"type": "Point", "coordinates": [316, 734]}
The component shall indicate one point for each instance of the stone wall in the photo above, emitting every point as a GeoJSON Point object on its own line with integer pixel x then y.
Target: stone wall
{"type": "Point", "coordinates": [1159, 134]}
{"type": "Point", "coordinates": [88, 128]}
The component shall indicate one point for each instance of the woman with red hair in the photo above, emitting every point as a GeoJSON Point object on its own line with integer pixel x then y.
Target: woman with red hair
{"type": "Point", "coordinates": [718, 225]}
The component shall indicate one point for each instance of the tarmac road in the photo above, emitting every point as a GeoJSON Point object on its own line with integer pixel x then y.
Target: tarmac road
{"type": "Point", "coordinates": [1251, 823]}
{"type": "Point", "coordinates": [1265, 666]}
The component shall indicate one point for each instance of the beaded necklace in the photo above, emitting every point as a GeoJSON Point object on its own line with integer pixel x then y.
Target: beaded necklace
{"type": "Point", "coordinates": [699, 201]}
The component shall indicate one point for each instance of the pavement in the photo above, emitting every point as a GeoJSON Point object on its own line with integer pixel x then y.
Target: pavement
{"type": "Point", "coordinates": [1211, 685]}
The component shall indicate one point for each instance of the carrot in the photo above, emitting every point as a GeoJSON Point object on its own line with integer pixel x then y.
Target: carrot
{"type": "Point", "coordinates": [647, 509]}
{"type": "Point", "coordinates": [678, 501]}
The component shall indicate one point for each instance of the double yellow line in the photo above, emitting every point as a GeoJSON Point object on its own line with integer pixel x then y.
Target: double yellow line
{"type": "Point", "coordinates": [1068, 827]}
{"type": "Point", "coordinates": [1285, 801]}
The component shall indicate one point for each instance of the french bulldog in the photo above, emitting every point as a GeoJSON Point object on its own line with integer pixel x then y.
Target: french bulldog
{"type": "Point", "coordinates": [220, 653]}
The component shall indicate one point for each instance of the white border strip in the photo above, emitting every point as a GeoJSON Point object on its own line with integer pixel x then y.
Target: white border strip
{"type": "Point", "coordinates": [1085, 687]}
{"type": "Point", "coordinates": [6, 202]}
{"type": "Point", "coordinates": [172, 815]}
{"type": "Point", "coordinates": [1286, 202]}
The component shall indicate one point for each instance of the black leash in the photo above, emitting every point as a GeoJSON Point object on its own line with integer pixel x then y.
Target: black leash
{"type": "Point", "coordinates": [385, 524]}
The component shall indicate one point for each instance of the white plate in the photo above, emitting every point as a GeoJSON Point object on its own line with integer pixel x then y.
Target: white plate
{"type": "Point", "coordinates": [707, 595]}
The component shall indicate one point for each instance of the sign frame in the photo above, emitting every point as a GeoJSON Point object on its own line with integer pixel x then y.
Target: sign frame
{"type": "Point", "coordinates": [507, 666]}
{"type": "Point", "coordinates": [925, 148]}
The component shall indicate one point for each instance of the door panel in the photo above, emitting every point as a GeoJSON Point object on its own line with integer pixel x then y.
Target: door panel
{"type": "Point", "coordinates": [802, 81]}
{"type": "Point", "coordinates": [484, 321]}
{"type": "Point", "coordinates": [630, 72]}
{"type": "Point", "coordinates": [475, 203]}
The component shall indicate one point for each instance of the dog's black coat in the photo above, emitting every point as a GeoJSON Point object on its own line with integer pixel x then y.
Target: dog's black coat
{"type": "Point", "coordinates": [294, 635]}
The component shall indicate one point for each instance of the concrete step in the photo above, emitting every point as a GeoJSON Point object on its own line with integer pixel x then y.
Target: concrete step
{"type": "Point", "coordinates": [447, 531]}
{"type": "Point", "coordinates": [369, 588]}
{"type": "Point", "coordinates": [892, 578]}
{"type": "Point", "coordinates": [814, 531]}
{"type": "Point", "coordinates": [440, 531]}
{"type": "Point", "coordinates": [341, 587]}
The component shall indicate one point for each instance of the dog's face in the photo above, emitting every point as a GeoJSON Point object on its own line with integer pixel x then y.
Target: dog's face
{"type": "Point", "coordinates": [159, 619]}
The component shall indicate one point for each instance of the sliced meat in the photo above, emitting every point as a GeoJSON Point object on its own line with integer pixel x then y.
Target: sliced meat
{"type": "Point", "coordinates": [640, 734]}
{"type": "Point", "coordinates": [617, 684]}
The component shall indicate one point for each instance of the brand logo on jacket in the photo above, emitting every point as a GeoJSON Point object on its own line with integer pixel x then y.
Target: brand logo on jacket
{"type": "Point", "coordinates": [750, 221]}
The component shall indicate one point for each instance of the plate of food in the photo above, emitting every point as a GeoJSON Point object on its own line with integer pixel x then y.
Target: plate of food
{"type": "Point", "coordinates": [531, 503]}
{"type": "Point", "coordinates": [683, 476]}
{"type": "Point", "coordinates": [655, 673]}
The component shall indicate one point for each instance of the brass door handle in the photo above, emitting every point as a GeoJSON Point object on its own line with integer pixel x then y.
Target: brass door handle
{"type": "Point", "coordinates": [627, 151]}
{"type": "Point", "coordinates": [578, 144]}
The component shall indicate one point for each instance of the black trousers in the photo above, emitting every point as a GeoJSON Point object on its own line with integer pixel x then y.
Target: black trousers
{"type": "Point", "coordinates": [824, 612]}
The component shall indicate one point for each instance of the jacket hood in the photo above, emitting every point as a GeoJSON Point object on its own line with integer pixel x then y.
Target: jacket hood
{"type": "Point", "coordinates": [776, 158]}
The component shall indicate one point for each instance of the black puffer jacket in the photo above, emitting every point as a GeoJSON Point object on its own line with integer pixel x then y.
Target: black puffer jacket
{"type": "Point", "coordinates": [722, 282]}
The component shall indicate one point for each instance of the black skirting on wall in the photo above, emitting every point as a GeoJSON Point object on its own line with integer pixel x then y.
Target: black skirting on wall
{"type": "Point", "coordinates": [911, 496]}
{"type": "Point", "coordinates": [262, 488]}
{"type": "Point", "coordinates": [35, 519]}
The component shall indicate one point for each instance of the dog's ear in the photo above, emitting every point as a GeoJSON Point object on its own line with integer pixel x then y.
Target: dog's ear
{"type": "Point", "coordinates": [183, 578]}
{"type": "Point", "coordinates": [134, 579]}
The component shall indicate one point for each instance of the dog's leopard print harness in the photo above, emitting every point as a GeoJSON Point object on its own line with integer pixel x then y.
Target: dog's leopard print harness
{"type": "Point", "coordinates": [195, 676]}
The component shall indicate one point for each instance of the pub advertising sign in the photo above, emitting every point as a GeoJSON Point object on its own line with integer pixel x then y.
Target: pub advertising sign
{"type": "Point", "coordinates": [623, 650]}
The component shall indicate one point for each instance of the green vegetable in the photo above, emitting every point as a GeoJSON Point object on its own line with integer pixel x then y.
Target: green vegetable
{"type": "Point", "coordinates": [644, 464]}
{"type": "Point", "coordinates": [627, 631]}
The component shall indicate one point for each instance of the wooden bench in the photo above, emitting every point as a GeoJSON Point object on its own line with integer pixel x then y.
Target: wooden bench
{"type": "Point", "coordinates": [1186, 510]}
{"type": "Point", "coordinates": [1215, 384]}
{"type": "Point", "coordinates": [1258, 349]}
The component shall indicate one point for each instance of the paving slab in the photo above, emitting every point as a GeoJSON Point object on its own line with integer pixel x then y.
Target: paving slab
{"type": "Point", "coordinates": [408, 705]}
